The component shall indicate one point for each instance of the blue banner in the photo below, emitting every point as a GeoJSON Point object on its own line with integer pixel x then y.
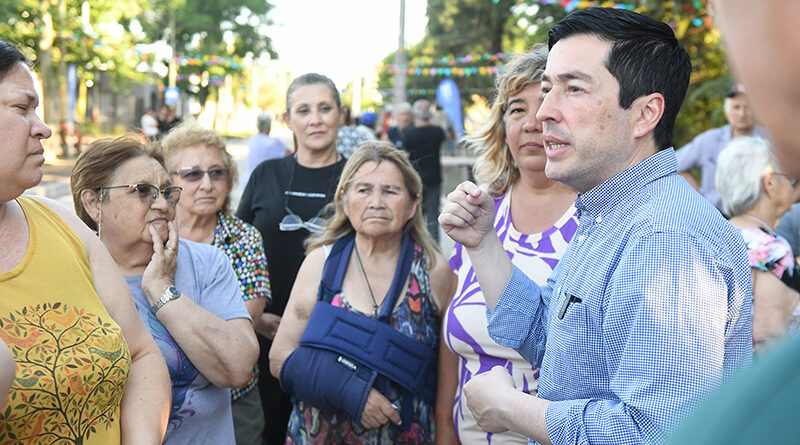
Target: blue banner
{"type": "Point", "coordinates": [448, 96]}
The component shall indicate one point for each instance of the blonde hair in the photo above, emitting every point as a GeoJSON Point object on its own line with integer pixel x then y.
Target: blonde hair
{"type": "Point", "coordinates": [495, 165]}
{"type": "Point", "coordinates": [339, 225]}
{"type": "Point", "coordinates": [188, 134]}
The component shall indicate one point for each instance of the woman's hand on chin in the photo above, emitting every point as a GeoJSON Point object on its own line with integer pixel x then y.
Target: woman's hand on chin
{"type": "Point", "coordinates": [160, 271]}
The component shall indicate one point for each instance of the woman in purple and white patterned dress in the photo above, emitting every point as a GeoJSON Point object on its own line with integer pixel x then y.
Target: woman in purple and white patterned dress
{"type": "Point", "coordinates": [535, 219]}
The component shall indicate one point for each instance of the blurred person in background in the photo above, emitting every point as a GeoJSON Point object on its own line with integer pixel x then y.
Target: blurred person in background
{"type": "Point", "coordinates": [186, 293]}
{"type": "Point", "coordinates": [262, 146]}
{"type": "Point", "coordinates": [423, 142]}
{"type": "Point", "coordinates": [199, 163]}
{"type": "Point", "coordinates": [789, 227]}
{"type": "Point", "coordinates": [167, 119]}
{"type": "Point", "coordinates": [756, 193]}
{"type": "Point", "coordinates": [350, 136]}
{"type": "Point", "coordinates": [87, 371]}
{"type": "Point", "coordinates": [702, 152]}
{"type": "Point", "coordinates": [366, 123]}
{"type": "Point", "coordinates": [401, 116]}
{"type": "Point", "coordinates": [284, 199]}
{"type": "Point", "coordinates": [149, 124]}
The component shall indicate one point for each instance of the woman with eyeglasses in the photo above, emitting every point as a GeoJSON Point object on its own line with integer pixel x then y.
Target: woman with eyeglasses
{"type": "Point", "coordinates": [284, 199]}
{"type": "Point", "coordinates": [87, 371]}
{"type": "Point", "coordinates": [199, 163]}
{"type": "Point", "coordinates": [757, 193]}
{"type": "Point", "coordinates": [186, 293]}
{"type": "Point", "coordinates": [358, 342]}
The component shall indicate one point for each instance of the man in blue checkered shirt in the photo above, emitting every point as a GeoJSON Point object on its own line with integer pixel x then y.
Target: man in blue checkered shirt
{"type": "Point", "coordinates": [650, 307]}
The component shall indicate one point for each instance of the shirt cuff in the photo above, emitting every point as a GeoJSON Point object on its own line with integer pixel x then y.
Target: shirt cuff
{"type": "Point", "coordinates": [510, 322]}
{"type": "Point", "coordinates": [559, 420]}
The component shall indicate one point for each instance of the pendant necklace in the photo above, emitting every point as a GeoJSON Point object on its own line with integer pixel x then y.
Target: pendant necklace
{"type": "Point", "coordinates": [365, 281]}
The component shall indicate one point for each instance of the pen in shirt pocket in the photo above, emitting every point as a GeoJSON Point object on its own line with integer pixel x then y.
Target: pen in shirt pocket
{"type": "Point", "coordinates": [568, 300]}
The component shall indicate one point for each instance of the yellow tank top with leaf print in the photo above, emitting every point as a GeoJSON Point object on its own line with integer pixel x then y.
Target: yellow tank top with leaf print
{"type": "Point", "coordinates": [72, 362]}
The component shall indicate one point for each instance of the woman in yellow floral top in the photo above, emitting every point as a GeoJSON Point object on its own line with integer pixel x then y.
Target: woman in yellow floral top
{"type": "Point", "coordinates": [198, 162]}
{"type": "Point", "coordinates": [87, 370]}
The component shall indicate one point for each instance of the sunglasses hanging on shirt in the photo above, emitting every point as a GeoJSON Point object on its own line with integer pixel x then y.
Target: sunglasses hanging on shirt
{"type": "Point", "coordinates": [292, 222]}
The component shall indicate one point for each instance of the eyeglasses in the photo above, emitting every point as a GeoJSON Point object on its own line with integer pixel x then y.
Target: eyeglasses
{"type": "Point", "coordinates": [148, 193]}
{"type": "Point", "coordinates": [792, 179]}
{"type": "Point", "coordinates": [194, 174]}
{"type": "Point", "coordinates": [292, 221]}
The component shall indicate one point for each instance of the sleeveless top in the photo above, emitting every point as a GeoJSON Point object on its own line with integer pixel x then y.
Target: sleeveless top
{"type": "Point", "coordinates": [464, 324]}
{"type": "Point", "coordinates": [72, 362]}
{"type": "Point", "coordinates": [416, 317]}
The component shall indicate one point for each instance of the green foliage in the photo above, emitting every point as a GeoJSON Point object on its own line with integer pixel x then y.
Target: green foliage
{"type": "Point", "coordinates": [228, 28]}
{"type": "Point", "coordinates": [203, 28]}
{"type": "Point", "coordinates": [217, 27]}
{"type": "Point", "coordinates": [104, 43]}
{"type": "Point", "coordinates": [457, 28]}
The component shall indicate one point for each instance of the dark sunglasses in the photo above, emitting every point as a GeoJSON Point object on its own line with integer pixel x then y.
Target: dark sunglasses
{"type": "Point", "coordinates": [194, 174]}
{"type": "Point", "coordinates": [148, 192]}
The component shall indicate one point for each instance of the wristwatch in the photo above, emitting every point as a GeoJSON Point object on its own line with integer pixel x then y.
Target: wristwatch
{"type": "Point", "coordinates": [170, 294]}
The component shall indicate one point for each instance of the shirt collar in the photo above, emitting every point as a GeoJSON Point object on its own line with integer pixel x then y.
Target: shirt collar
{"type": "Point", "coordinates": [604, 196]}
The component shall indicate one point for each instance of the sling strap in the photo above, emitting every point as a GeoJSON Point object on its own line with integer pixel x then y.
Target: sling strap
{"type": "Point", "coordinates": [352, 353]}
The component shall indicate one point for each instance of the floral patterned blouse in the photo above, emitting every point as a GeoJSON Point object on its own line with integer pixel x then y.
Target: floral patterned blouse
{"type": "Point", "coordinates": [767, 252]}
{"type": "Point", "coordinates": [770, 252]}
{"type": "Point", "coordinates": [242, 244]}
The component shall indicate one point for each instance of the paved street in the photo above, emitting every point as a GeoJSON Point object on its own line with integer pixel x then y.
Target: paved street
{"type": "Point", "coordinates": [55, 182]}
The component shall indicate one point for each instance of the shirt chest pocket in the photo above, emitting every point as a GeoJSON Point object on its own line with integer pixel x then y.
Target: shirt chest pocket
{"type": "Point", "coordinates": [570, 340]}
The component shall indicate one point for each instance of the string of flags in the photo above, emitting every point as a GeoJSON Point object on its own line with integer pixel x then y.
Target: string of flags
{"type": "Point", "coordinates": [464, 71]}
{"type": "Point", "coordinates": [432, 91]}
{"type": "Point", "coordinates": [444, 66]}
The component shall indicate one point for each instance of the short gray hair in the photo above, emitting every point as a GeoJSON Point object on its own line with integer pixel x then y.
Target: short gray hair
{"type": "Point", "coordinates": [402, 107]}
{"type": "Point", "coordinates": [264, 123]}
{"type": "Point", "coordinates": [422, 110]}
{"type": "Point", "coordinates": [740, 167]}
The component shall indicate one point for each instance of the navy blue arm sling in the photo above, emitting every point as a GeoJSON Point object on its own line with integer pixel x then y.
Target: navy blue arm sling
{"type": "Point", "coordinates": [342, 355]}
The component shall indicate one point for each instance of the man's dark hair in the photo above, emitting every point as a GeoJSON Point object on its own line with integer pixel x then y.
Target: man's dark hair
{"type": "Point", "coordinates": [10, 57]}
{"type": "Point", "coordinates": [645, 58]}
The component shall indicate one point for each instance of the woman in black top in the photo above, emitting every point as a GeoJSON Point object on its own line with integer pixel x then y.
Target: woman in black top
{"type": "Point", "coordinates": [284, 199]}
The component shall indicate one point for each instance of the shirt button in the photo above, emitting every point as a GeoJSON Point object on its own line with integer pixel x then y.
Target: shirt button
{"type": "Point", "coordinates": [598, 220]}
{"type": "Point", "coordinates": [580, 238]}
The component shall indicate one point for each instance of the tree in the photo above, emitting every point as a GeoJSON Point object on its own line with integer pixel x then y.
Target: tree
{"type": "Point", "coordinates": [463, 35]}
{"type": "Point", "coordinates": [208, 31]}
{"type": "Point", "coordinates": [481, 29]}
{"type": "Point", "coordinates": [93, 35]}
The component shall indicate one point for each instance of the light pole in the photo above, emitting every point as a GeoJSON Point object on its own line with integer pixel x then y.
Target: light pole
{"type": "Point", "coordinates": [400, 59]}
